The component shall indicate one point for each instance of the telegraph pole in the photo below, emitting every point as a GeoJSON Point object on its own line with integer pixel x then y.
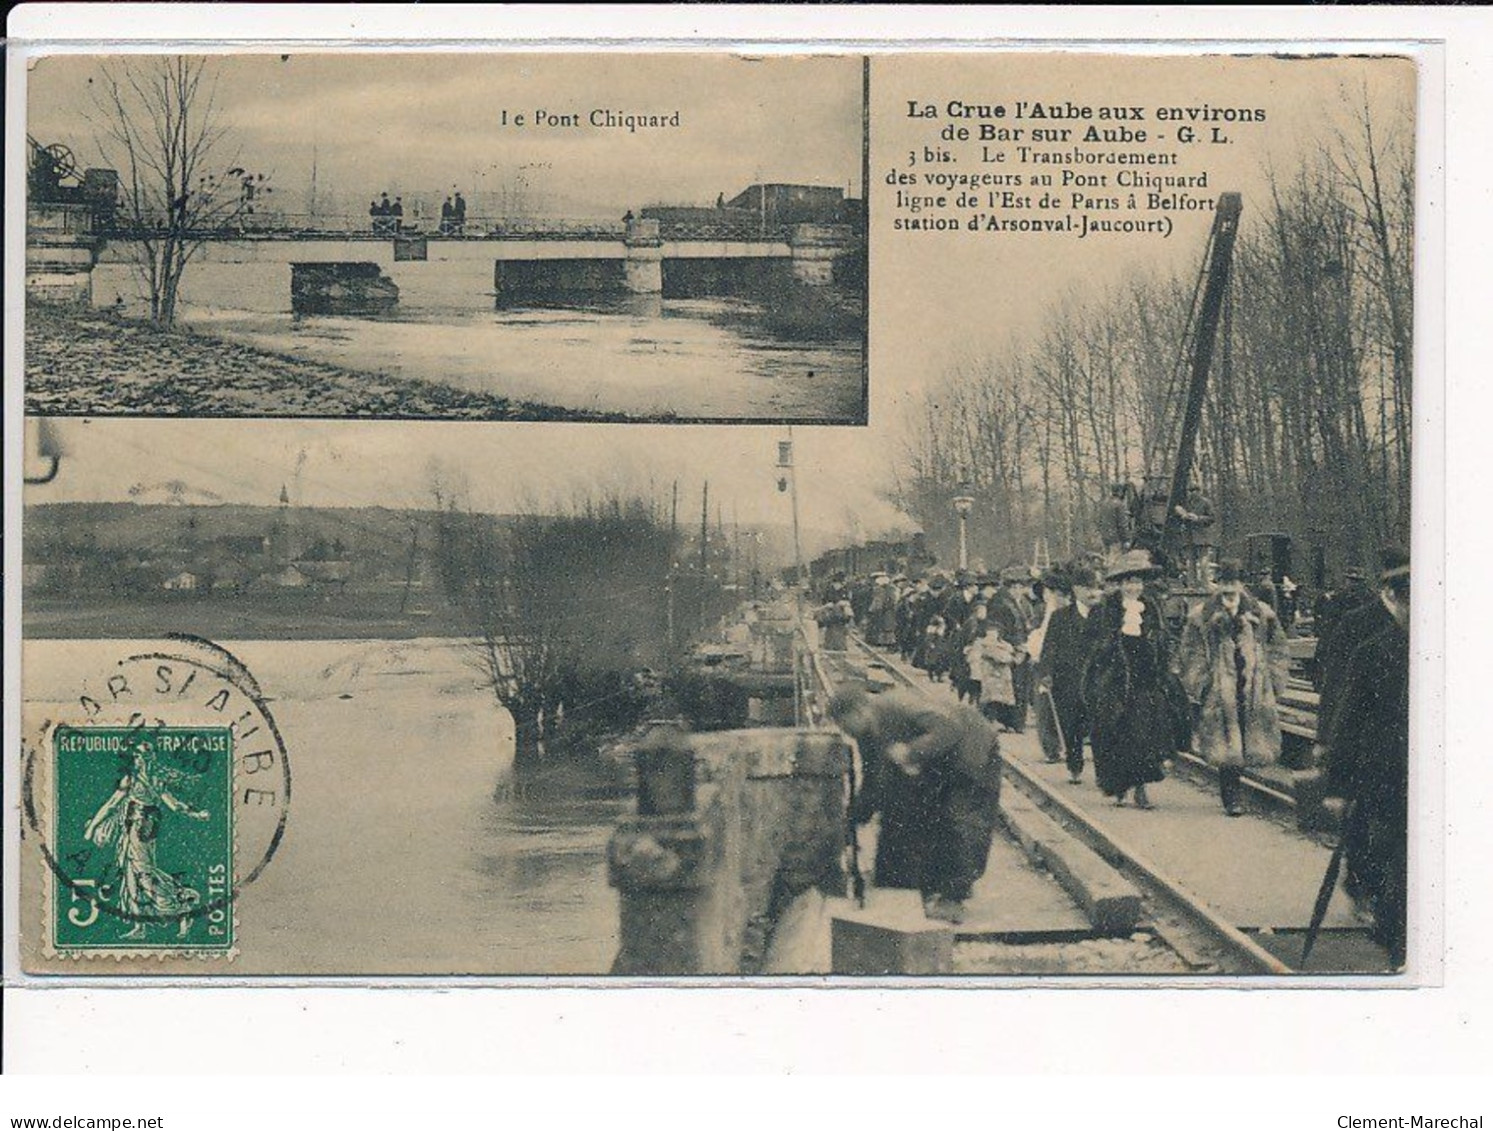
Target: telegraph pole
{"type": "Point", "coordinates": [785, 464]}
{"type": "Point", "coordinates": [704, 526]}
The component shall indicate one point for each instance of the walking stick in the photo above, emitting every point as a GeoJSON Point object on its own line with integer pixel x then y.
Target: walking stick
{"type": "Point", "coordinates": [1050, 725]}
{"type": "Point", "coordinates": [1329, 884]}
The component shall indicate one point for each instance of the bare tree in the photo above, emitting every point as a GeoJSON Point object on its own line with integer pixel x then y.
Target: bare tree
{"type": "Point", "coordinates": [158, 120]}
{"type": "Point", "coordinates": [563, 609]}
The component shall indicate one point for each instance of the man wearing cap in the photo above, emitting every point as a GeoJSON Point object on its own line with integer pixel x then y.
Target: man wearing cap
{"type": "Point", "coordinates": [1234, 666]}
{"type": "Point", "coordinates": [1368, 763]}
{"type": "Point", "coordinates": [933, 773]}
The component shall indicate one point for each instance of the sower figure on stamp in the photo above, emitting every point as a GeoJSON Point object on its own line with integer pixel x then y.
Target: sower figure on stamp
{"type": "Point", "coordinates": [130, 821]}
{"type": "Point", "coordinates": [932, 772]}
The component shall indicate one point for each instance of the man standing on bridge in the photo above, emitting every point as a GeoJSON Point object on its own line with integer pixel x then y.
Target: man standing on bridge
{"type": "Point", "coordinates": [932, 771]}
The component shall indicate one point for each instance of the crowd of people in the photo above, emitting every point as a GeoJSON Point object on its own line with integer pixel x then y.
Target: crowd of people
{"type": "Point", "coordinates": [1084, 652]}
{"type": "Point", "coordinates": [386, 216]}
{"type": "Point", "coordinates": [454, 215]}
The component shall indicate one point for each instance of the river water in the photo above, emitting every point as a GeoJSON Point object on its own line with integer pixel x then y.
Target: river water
{"type": "Point", "coordinates": [411, 847]}
{"type": "Point", "coordinates": [704, 358]}
{"type": "Point", "coordinates": [695, 358]}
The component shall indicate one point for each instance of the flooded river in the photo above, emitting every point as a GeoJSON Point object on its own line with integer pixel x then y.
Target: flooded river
{"type": "Point", "coordinates": [411, 847]}
{"type": "Point", "coordinates": [700, 358]}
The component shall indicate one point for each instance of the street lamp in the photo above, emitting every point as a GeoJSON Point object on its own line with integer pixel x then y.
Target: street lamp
{"type": "Point", "coordinates": [963, 504]}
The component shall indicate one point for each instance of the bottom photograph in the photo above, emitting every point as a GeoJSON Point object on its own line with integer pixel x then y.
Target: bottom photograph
{"type": "Point", "coordinates": [357, 699]}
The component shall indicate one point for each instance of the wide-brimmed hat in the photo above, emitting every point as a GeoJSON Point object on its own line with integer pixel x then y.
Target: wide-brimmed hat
{"type": "Point", "coordinates": [1133, 563]}
{"type": "Point", "coordinates": [1081, 573]}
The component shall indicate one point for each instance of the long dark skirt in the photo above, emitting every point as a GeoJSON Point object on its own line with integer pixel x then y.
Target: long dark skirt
{"type": "Point", "coordinates": [935, 837]}
{"type": "Point", "coordinates": [1131, 731]}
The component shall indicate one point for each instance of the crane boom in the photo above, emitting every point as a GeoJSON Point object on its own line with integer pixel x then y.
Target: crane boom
{"type": "Point", "coordinates": [1220, 258]}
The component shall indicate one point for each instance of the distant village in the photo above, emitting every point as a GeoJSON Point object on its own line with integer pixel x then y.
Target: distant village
{"type": "Point", "coordinates": [189, 549]}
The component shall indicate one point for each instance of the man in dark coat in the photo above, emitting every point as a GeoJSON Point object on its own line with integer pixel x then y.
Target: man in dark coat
{"type": "Point", "coordinates": [1354, 593]}
{"type": "Point", "coordinates": [1011, 617]}
{"type": "Point", "coordinates": [1197, 516]}
{"type": "Point", "coordinates": [1070, 639]}
{"type": "Point", "coordinates": [836, 589]}
{"type": "Point", "coordinates": [1115, 521]}
{"type": "Point", "coordinates": [1354, 628]}
{"type": "Point", "coordinates": [1368, 746]}
{"type": "Point", "coordinates": [911, 619]}
{"type": "Point", "coordinates": [933, 773]}
{"type": "Point", "coordinates": [958, 608]}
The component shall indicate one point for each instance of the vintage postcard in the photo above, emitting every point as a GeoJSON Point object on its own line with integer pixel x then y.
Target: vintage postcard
{"type": "Point", "coordinates": [1043, 612]}
{"type": "Point", "coordinates": [447, 237]}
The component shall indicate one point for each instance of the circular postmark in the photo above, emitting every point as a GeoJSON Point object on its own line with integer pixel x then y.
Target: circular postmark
{"type": "Point", "coordinates": [156, 795]}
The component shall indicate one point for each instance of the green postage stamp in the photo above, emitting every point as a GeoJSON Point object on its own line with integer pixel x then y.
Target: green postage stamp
{"type": "Point", "coordinates": [142, 839]}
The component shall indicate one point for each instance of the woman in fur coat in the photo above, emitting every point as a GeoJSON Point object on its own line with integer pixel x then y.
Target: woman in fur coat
{"type": "Point", "coordinates": [1234, 666]}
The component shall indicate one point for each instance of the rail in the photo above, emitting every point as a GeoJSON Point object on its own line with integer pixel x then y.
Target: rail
{"type": "Point", "coordinates": [813, 688]}
{"type": "Point", "coordinates": [1178, 914]}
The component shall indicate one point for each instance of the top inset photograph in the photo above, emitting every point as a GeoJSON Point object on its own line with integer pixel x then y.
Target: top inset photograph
{"type": "Point", "coordinates": [450, 237]}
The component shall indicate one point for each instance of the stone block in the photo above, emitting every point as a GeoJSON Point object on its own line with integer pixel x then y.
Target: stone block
{"type": "Point", "coordinates": [1111, 902]}
{"type": "Point", "coordinates": [890, 935]}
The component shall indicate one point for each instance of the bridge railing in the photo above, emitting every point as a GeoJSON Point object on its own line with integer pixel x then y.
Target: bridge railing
{"type": "Point", "coordinates": [725, 230]}
{"type": "Point", "coordinates": [291, 225]}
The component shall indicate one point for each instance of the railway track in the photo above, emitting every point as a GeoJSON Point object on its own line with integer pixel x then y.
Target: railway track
{"type": "Point", "coordinates": [1203, 938]}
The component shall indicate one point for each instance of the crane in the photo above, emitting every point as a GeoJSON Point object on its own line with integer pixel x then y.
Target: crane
{"type": "Point", "coordinates": [1217, 262]}
{"type": "Point", "coordinates": [1175, 448]}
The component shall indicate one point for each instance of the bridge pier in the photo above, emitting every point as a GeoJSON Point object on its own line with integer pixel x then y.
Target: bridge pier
{"type": "Point", "coordinates": [814, 249]}
{"type": "Point", "coordinates": [644, 265]}
{"type": "Point", "coordinates": [732, 827]}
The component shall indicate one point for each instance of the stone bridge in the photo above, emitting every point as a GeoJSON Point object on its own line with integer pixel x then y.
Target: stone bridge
{"type": "Point", "coordinates": [257, 270]}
